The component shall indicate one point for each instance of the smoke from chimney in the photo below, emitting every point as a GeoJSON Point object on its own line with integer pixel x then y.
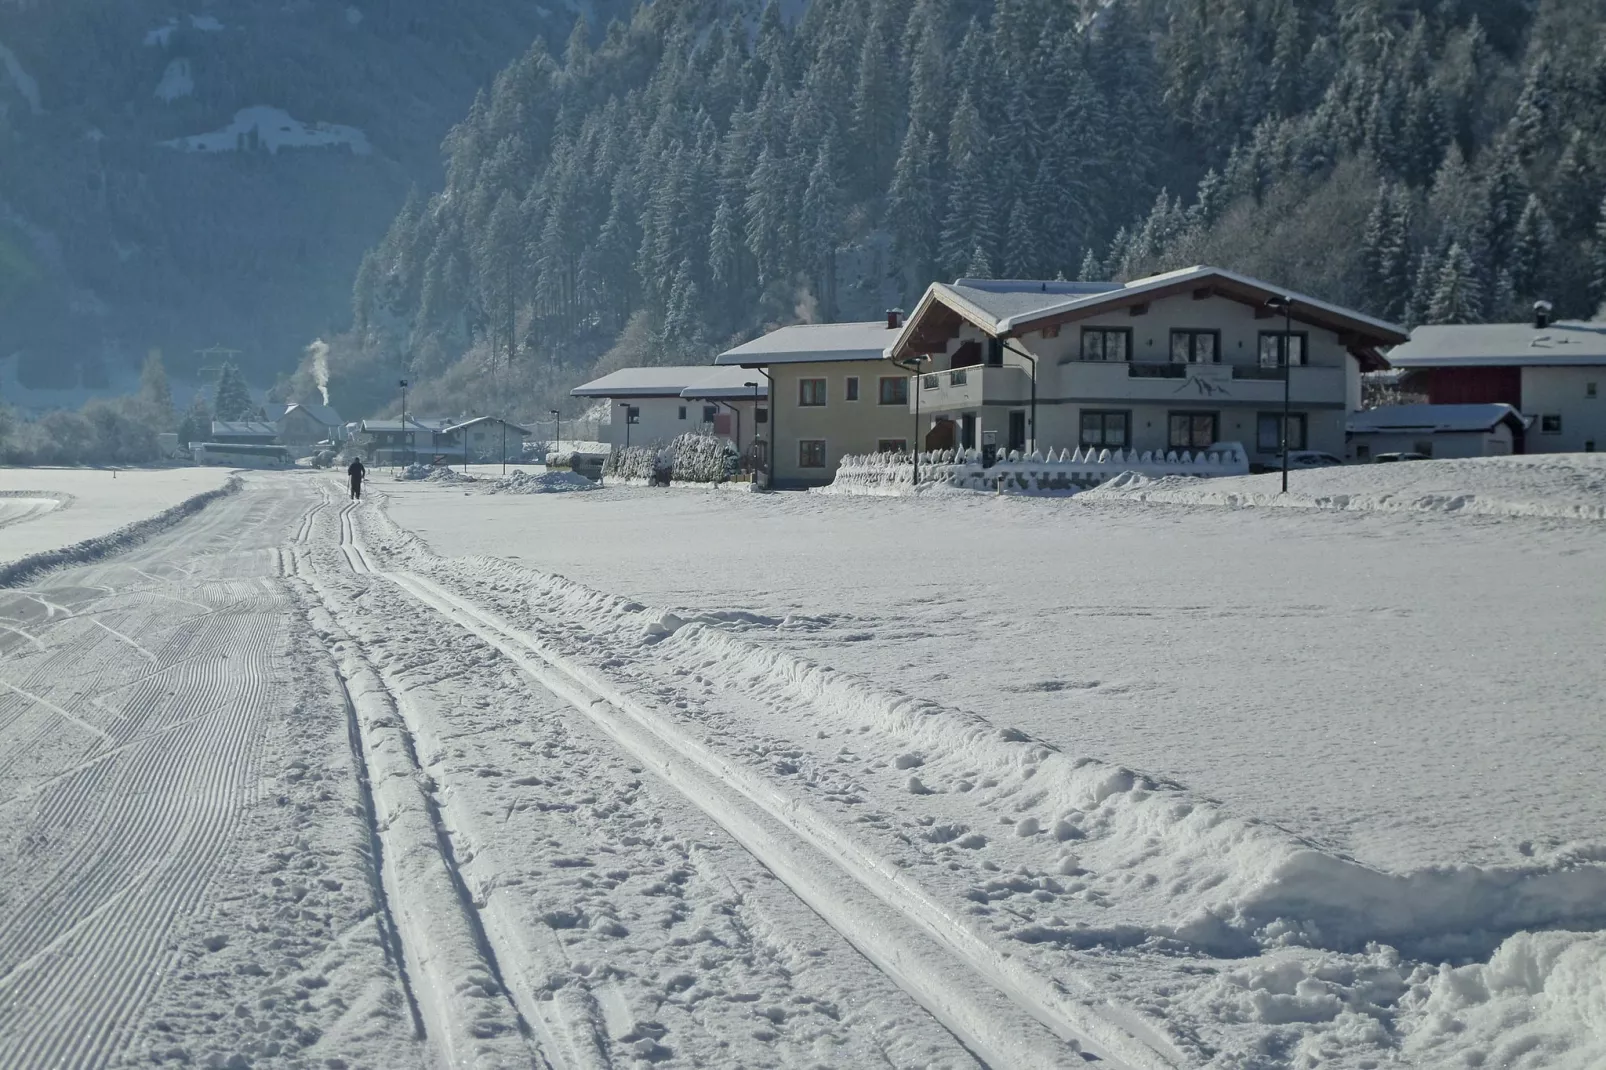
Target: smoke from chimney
{"type": "Point", "coordinates": [318, 351]}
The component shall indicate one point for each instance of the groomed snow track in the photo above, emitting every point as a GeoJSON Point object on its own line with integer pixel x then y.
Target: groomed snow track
{"type": "Point", "coordinates": [1003, 1012]}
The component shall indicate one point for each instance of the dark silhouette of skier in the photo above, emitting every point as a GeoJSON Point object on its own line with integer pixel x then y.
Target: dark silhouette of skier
{"type": "Point", "coordinates": [356, 471]}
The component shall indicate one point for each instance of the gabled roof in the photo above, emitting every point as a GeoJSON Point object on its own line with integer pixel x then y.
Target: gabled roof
{"type": "Point", "coordinates": [809, 343]}
{"type": "Point", "coordinates": [322, 414]}
{"type": "Point", "coordinates": [1566, 342]}
{"type": "Point", "coordinates": [429, 424]}
{"type": "Point", "coordinates": [484, 419]}
{"type": "Point", "coordinates": [654, 382]}
{"type": "Point", "coordinates": [1432, 418]}
{"type": "Point", "coordinates": [1013, 308]}
{"type": "Point", "coordinates": [240, 428]}
{"type": "Point", "coordinates": [729, 383]}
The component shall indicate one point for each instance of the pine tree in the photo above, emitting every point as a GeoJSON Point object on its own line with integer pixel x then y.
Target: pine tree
{"type": "Point", "coordinates": [769, 216]}
{"type": "Point", "coordinates": [1092, 269]}
{"type": "Point", "coordinates": [821, 226]}
{"type": "Point", "coordinates": [155, 395]}
{"type": "Point", "coordinates": [1457, 293]}
{"type": "Point", "coordinates": [912, 206]}
{"type": "Point", "coordinates": [968, 223]}
{"type": "Point", "coordinates": [232, 400]}
{"type": "Point", "coordinates": [1597, 275]}
{"type": "Point", "coordinates": [1386, 253]}
{"type": "Point", "coordinates": [1531, 249]}
{"type": "Point", "coordinates": [196, 425]}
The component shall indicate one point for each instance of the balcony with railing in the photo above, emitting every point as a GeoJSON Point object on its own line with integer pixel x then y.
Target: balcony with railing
{"type": "Point", "coordinates": [1141, 381]}
{"type": "Point", "coordinates": [970, 387]}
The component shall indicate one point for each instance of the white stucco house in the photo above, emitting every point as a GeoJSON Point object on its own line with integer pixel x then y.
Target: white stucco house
{"type": "Point", "coordinates": [1552, 372]}
{"type": "Point", "coordinates": [834, 394]}
{"type": "Point", "coordinates": [654, 405]}
{"type": "Point", "coordinates": [1492, 430]}
{"type": "Point", "coordinates": [1177, 361]}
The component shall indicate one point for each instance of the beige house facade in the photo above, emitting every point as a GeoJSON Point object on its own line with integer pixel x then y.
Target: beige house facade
{"type": "Point", "coordinates": [833, 394]}
{"type": "Point", "coordinates": [1178, 361]}
{"type": "Point", "coordinates": [652, 406]}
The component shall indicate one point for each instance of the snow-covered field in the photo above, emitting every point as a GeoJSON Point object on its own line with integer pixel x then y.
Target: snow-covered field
{"type": "Point", "coordinates": [49, 508]}
{"type": "Point", "coordinates": [678, 778]}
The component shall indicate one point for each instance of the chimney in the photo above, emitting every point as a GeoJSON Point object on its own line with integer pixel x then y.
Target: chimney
{"type": "Point", "coordinates": [894, 318]}
{"type": "Point", "coordinates": [1541, 315]}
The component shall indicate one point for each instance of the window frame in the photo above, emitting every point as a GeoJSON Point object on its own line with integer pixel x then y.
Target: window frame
{"type": "Point", "coordinates": [683, 410]}
{"type": "Point", "coordinates": [802, 462]}
{"type": "Point", "coordinates": [1550, 423]}
{"type": "Point", "coordinates": [802, 393]}
{"type": "Point", "coordinates": [1104, 332]}
{"type": "Point", "coordinates": [1304, 350]}
{"type": "Point", "coordinates": [1591, 389]}
{"type": "Point", "coordinates": [1104, 414]}
{"type": "Point", "coordinates": [850, 388]}
{"type": "Point", "coordinates": [1303, 423]}
{"type": "Point", "coordinates": [632, 414]}
{"type": "Point", "coordinates": [881, 390]}
{"type": "Point", "coordinates": [710, 413]}
{"type": "Point", "coordinates": [1193, 334]}
{"type": "Point", "coordinates": [898, 445]}
{"type": "Point", "coordinates": [1191, 414]}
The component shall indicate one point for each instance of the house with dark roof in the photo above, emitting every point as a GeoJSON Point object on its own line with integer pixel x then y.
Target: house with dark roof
{"type": "Point", "coordinates": [1554, 372]}
{"type": "Point", "coordinates": [1177, 361]}
{"type": "Point", "coordinates": [1492, 430]}
{"type": "Point", "coordinates": [245, 432]}
{"type": "Point", "coordinates": [306, 424]}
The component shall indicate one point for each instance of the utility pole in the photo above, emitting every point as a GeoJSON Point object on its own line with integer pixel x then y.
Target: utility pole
{"type": "Point", "coordinates": [1285, 303]}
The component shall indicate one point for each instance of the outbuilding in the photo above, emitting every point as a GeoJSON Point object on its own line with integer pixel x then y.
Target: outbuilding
{"type": "Point", "coordinates": [1491, 430]}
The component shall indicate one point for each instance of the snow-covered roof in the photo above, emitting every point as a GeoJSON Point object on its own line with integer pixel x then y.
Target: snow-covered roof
{"type": "Point", "coordinates": [240, 428]}
{"type": "Point", "coordinates": [484, 419]}
{"type": "Point", "coordinates": [654, 382]}
{"type": "Point", "coordinates": [808, 343]}
{"type": "Point", "coordinates": [1014, 307]}
{"type": "Point", "coordinates": [730, 383]}
{"type": "Point", "coordinates": [1565, 342]}
{"type": "Point", "coordinates": [322, 414]}
{"type": "Point", "coordinates": [1433, 418]}
{"type": "Point", "coordinates": [1006, 298]}
{"type": "Point", "coordinates": [431, 424]}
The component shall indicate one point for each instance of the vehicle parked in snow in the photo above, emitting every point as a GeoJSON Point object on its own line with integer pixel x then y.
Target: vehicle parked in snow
{"type": "Point", "coordinates": [1312, 459]}
{"type": "Point", "coordinates": [1390, 458]}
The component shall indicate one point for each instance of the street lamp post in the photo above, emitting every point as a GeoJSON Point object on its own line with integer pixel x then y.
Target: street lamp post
{"type": "Point", "coordinates": [557, 417]}
{"type": "Point", "coordinates": [913, 367]}
{"type": "Point", "coordinates": [1287, 350]}
{"type": "Point", "coordinates": [752, 447]}
{"type": "Point", "coordinates": [625, 405]}
{"type": "Point", "coordinates": [406, 432]}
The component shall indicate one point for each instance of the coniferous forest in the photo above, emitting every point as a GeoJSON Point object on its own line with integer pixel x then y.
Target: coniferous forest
{"type": "Point", "coordinates": [678, 182]}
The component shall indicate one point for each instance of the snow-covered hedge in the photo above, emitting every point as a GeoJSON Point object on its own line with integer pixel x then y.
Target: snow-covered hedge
{"type": "Point", "coordinates": [1065, 472]}
{"type": "Point", "coordinates": [690, 458]}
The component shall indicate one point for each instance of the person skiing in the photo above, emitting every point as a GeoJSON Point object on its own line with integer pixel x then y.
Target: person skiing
{"type": "Point", "coordinates": [356, 471]}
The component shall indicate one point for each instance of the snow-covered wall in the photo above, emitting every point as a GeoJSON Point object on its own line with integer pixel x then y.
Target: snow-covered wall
{"type": "Point", "coordinates": [1067, 472]}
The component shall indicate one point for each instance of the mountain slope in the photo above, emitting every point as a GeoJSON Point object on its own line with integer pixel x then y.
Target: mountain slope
{"type": "Point", "coordinates": [122, 230]}
{"type": "Point", "coordinates": [689, 178]}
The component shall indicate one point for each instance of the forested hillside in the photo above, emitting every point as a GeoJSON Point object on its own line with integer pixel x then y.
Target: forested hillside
{"type": "Point", "coordinates": [665, 186]}
{"type": "Point", "coordinates": [176, 175]}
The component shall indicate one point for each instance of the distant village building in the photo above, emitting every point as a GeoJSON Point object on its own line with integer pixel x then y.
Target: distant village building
{"type": "Point", "coordinates": [305, 425]}
{"type": "Point", "coordinates": [245, 433]}
{"type": "Point", "coordinates": [1439, 431]}
{"type": "Point", "coordinates": [1552, 372]}
{"type": "Point", "coordinates": [654, 405]}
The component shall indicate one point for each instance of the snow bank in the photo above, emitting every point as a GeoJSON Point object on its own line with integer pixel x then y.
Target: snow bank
{"type": "Point", "coordinates": [17, 507]}
{"type": "Point", "coordinates": [25, 568]}
{"type": "Point", "coordinates": [435, 474]}
{"type": "Point", "coordinates": [889, 474]}
{"type": "Point", "coordinates": [1568, 486]}
{"type": "Point", "coordinates": [1540, 1002]}
{"type": "Point", "coordinates": [1180, 867]}
{"type": "Point", "coordinates": [546, 483]}
{"type": "Point", "coordinates": [273, 129]}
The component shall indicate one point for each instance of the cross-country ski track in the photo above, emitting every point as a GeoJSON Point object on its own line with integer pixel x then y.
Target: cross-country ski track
{"type": "Point", "coordinates": [281, 788]}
